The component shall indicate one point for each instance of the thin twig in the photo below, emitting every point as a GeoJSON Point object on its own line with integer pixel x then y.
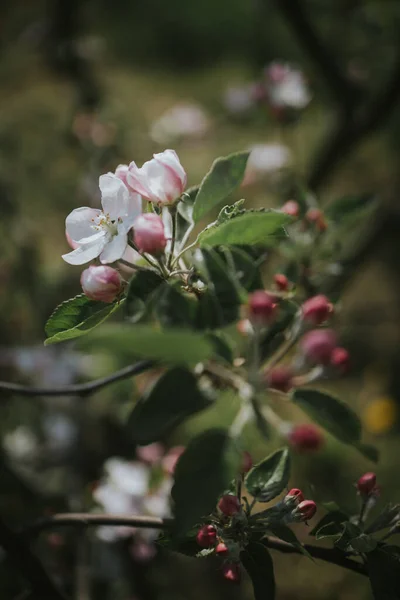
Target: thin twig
{"type": "Point", "coordinates": [82, 389]}
{"type": "Point", "coordinates": [28, 565]}
{"type": "Point", "coordinates": [330, 555]}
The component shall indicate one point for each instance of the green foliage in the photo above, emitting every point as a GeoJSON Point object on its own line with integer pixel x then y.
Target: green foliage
{"type": "Point", "coordinates": [224, 177]}
{"type": "Point", "coordinates": [269, 477]}
{"type": "Point", "coordinates": [332, 414]}
{"type": "Point", "coordinates": [174, 397]}
{"type": "Point", "coordinates": [248, 228]}
{"type": "Point", "coordinates": [258, 563]}
{"type": "Point", "coordinates": [169, 345]}
{"type": "Point", "coordinates": [76, 317]}
{"type": "Point", "coordinates": [204, 471]}
{"type": "Point", "coordinates": [140, 291]}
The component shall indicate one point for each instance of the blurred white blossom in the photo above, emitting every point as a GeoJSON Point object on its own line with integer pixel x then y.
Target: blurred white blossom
{"type": "Point", "coordinates": [265, 159]}
{"type": "Point", "coordinates": [180, 121]}
{"type": "Point", "coordinates": [20, 443]}
{"type": "Point", "coordinates": [286, 87]}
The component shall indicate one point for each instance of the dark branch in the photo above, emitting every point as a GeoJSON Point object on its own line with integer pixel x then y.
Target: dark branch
{"type": "Point", "coordinates": [28, 565]}
{"type": "Point", "coordinates": [82, 389]}
{"type": "Point", "coordinates": [341, 88]}
{"type": "Point", "coordinates": [332, 556]}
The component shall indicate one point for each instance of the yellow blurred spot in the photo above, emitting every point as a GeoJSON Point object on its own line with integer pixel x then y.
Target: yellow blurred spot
{"type": "Point", "coordinates": [380, 415]}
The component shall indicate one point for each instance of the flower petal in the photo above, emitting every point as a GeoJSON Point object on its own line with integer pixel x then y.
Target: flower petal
{"type": "Point", "coordinates": [169, 158]}
{"type": "Point", "coordinates": [79, 223]}
{"type": "Point", "coordinates": [114, 195]}
{"type": "Point", "coordinates": [137, 179]}
{"type": "Point", "coordinates": [115, 249]}
{"type": "Point", "coordinates": [88, 251]}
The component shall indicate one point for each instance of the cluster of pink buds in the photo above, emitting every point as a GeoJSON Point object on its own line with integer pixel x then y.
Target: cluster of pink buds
{"type": "Point", "coordinates": [261, 308]}
{"type": "Point", "coordinates": [302, 510]}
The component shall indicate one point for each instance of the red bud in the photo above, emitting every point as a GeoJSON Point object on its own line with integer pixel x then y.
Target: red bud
{"type": "Point", "coordinates": [306, 509]}
{"type": "Point", "coordinates": [229, 505]}
{"type": "Point", "coordinates": [281, 282]}
{"type": "Point", "coordinates": [305, 438]}
{"type": "Point", "coordinates": [316, 310]}
{"type": "Point", "coordinates": [295, 494]}
{"type": "Point", "coordinates": [366, 483]}
{"type": "Point", "coordinates": [231, 572]}
{"type": "Point", "coordinates": [206, 536]}
{"type": "Point", "coordinates": [261, 307]}
{"type": "Point", "coordinates": [291, 208]}
{"type": "Point", "coordinates": [221, 549]}
{"type": "Point", "coordinates": [317, 345]}
{"type": "Point", "coordinates": [280, 378]}
{"type": "Point", "coordinates": [340, 359]}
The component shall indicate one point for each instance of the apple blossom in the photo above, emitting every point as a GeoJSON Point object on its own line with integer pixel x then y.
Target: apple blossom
{"type": "Point", "coordinates": [206, 536]}
{"type": "Point", "coordinates": [101, 283]}
{"type": "Point", "coordinates": [149, 234]}
{"type": "Point", "coordinates": [366, 484]}
{"type": "Point", "coordinates": [103, 233]}
{"type": "Point", "coordinates": [318, 344]}
{"type": "Point", "coordinates": [340, 359]}
{"type": "Point", "coordinates": [161, 180]}
{"type": "Point", "coordinates": [305, 437]}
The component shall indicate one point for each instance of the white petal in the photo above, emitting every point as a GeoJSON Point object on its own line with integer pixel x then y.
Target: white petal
{"type": "Point", "coordinates": [129, 477]}
{"type": "Point", "coordinates": [88, 251]}
{"type": "Point", "coordinates": [133, 210]}
{"type": "Point", "coordinates": [115, 249]}
{"type": "Point", "coordinates": [158, 180]}
{"type": "Point", "coordinates": [114, 195]}
{"type": "Point", "coordinates": [79, 223]}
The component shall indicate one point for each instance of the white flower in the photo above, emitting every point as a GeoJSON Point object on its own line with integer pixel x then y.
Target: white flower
{"type": "Point", "coordinates": [265, 158]}
{"type": "Point", "coordinates": [103, 233]}
{"type": "Point", "coordinates": [161, 180]}
{"type": "Point", "coordinates": [287, 87]}
{"type": "Point", "coordinates": [181, 120]}
{"type": "Point", "coordinates": [21, 443]}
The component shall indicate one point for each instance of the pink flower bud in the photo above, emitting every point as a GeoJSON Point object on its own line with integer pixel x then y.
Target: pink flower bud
{"type": "Point", "coordinates": [101, 283]}
{"type": "Point", "coordinates": [247, 462]}
{"type": "Point", "coordinates": [261, 307]}
{"type": "Point", "coordinates": [148, 233]}
{"type": "Point", "coordinates": [340, 359]}
{"type": "Point", "coordinates": [231, 572]}
{"type": "Point", "coordinates": [305, 438]}
{"type": "Point", "coordinates": [316, 310]}
{"type": "Point", "coordinates": [229, 505]}
{"type": "Point", "coordinates": [161, 180]}
{"type": "Point", "coordinates": [317, 345]}
{"type": "Point", "coordinates": [221, 549]}
{"type": "Point", "coordinates": [280, 378]}
{"type": "Point", "coordinates": [281, 282]}
{"type": "Point", "coordinates": [170, 461]}
{"type": "Point", "coordinates": [206, 536]}
{"type": "Point", "coordinates": [151, 453]}
{"type": "Point", "coordinates": [366, 484]}
{"type": "Point", "coordinates": [294, 496]}
{"type": "Point", "coordinates": [306, 509]}
{"type": "Point", "coordinates": [316, 217]}
{"type": "Point", "coordinates": [291, 208]}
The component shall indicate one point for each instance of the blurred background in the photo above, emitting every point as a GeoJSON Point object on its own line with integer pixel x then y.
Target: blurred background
{"type": "Point", "coordinates": [313, 89]}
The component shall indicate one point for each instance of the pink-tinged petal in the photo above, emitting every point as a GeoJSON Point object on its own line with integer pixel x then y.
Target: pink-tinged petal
{"type": "Point", "coordinates": [115, 249]}
{"type": "Point", "coordinates": [170, 159]}
{"type": "Point", "coordinates": [114, 195]}
{"type": "Point", "coordinates": [133, 210]}
{"type": "Point", "coordinates": [79, 223]}
{"type": "Point", "coordinates": [137, 179]}
{"type": "Point", "coordinates": [88, 251]}
{"type": "Point", "coordinates": [121, 172]}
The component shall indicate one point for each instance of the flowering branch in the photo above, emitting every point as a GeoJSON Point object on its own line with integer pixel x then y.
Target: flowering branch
{"type": "Point", "coordinates": [82, 389]}
{"type": "Point", "coordinates": [330, 555]}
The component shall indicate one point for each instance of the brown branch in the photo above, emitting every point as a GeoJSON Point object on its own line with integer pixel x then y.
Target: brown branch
{"type": "Point", "coordinates": [342, 89]}
{"type": "Point", "coordinates": [82, 389]}
{"type": "Point", "coordinates": [330, 555]}
{"type": "Point", "coordinates": [28, 565]}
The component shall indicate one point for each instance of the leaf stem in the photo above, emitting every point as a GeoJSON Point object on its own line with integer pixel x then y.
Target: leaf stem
{"type": "Point", "coordinates": [174, 218]}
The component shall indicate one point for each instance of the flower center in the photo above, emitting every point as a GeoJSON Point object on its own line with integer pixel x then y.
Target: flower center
{"type": "Point", "coordinates": [104, 223]}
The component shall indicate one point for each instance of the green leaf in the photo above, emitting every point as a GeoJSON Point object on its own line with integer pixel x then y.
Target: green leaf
{"type": "Point", "coordinates": [349, 206]}
{"type": "Point", "coordinates": [242, 267]}
{"type": "Point", "coordinates": [203, 472]}
{"type": "Point", "coordinates": [222, 346]}
{"type": "Point", "coordinates": [140, 289]}
{"type": "Point", "coordinates": [174, 397]}
{"type": "Point", "coordinates": [283, 532]}
{"type": "Point", "coordinates": [388, 517]}
{"type": "Point", "coordinates": [258, 563]}
{"type": "Point", "coordinates": [219, 304]}
{"type": "Point", "coordinates": [225, 175]}
{"type": "Point", "coordinates": [369, 451]}
{"type": "Point", "coordinates": [332, 414]}
{"type": "Point", "coordinates": [76, 317]}
{"type": "Point", "coordinates": [173, 307]}
{"type": "Point", "coordinates": [331, 524]}
{"type": "Point", "coordinates": [169, 345]}
{"type": "Point", "coordinates": [269, 477]}
{"type": "Point", "coordinates": [384, 572]}
{"type": "Point", "coordinates": [249, 228]}
{"type": "Point", "coordinates": [354, 538]}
